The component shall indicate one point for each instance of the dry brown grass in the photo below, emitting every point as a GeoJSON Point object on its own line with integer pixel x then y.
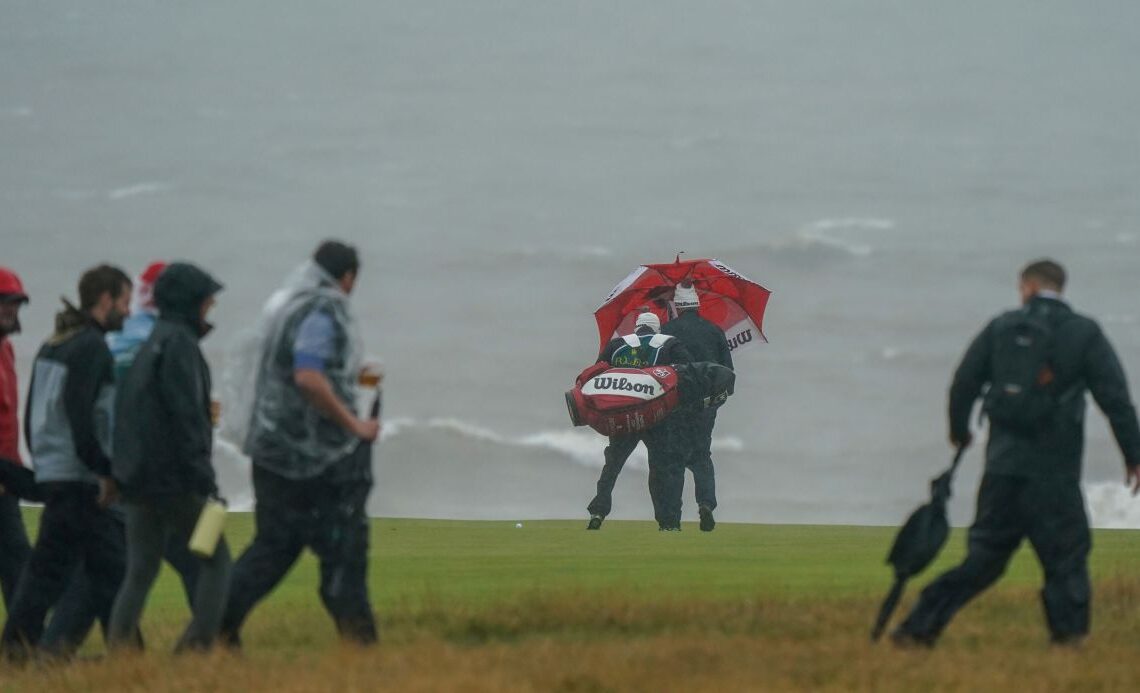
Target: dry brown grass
{"type": "Point", "coordinates": [586, 642]}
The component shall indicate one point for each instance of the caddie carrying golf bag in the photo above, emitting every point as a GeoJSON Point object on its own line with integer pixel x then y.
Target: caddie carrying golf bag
{"type": "Point", "coordinates": [621, 401]}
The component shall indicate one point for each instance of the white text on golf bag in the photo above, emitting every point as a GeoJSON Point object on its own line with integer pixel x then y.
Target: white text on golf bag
{"type": "Point", "coordinates": [637, 385]}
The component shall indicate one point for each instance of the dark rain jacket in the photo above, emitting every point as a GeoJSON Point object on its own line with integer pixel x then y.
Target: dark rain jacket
{"type": "Point", "coordinates": [163, 430]}
{"type": "Point", "coordinates": [703, 339]}
{"type": "Point", "coordinates": [659, 349]}
{"type": "Point", "coordinates": [1083, 361]}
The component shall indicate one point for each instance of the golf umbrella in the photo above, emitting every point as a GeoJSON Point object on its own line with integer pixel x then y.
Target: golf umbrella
{"type": "Point", "coordinates": [918, 542]}
{"type": "Point", "coordinates": [730, 300]}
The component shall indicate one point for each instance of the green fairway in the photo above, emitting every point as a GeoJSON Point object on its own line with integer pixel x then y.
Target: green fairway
{"type": "Point", "coordinates": [526, 597]}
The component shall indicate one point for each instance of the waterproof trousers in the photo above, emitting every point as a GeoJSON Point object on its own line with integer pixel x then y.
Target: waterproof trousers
{"type": "Point", "coordinates": [325, 514]}
{"type": "Point", "coordinates": [617, 452]}
{"type": "Point", "coordinates": [695, 442]}
{"type": "Point", "coordinates": [73, 530]}
{"type": "Point", "coordinates": [14, 546]}
{"type": "Point", "coordinates": [164, 525]}
{"type": "Point", "coordinates": [666, 473]}
{"type": "Point", "coordinates": [1050, 512]}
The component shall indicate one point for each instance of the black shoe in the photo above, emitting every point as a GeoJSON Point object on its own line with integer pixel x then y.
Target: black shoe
{"type": "Point", "coordinates": [708, 524]}
{"type": "Point", "coordinates": [909, 641]}
{"type": "Point", "coordinates": [595, 522]}
{"type": "Point", "coordinates": [663, 528]}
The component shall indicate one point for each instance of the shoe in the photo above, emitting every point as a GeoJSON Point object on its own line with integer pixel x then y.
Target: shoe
{"type": "Point", "coordinates": [668, 529]}
{"type": "Point", "coordinates": [909, 641]}
{"type": "Point", "coordinates": [595, 522]}
{"type": "Point", "coordinates": [1068, 642]}
{"type": "Point", "coordinates": [708, 524]}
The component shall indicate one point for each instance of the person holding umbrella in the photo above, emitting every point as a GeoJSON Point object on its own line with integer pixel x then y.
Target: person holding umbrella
{"type": "Point", "coordinates": [705, 342]}
{"type": "Point", "coordinates": [720, 311]}
{"type": "Point", "coordinates": [1034, 365]}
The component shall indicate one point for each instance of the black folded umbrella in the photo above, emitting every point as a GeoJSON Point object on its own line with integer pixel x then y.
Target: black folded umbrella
{"type": "Point", "coordinates": [918, 542]}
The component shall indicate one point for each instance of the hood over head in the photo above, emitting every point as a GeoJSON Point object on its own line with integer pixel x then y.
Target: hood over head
{"type": "Point", "coordinates": [180, 291]}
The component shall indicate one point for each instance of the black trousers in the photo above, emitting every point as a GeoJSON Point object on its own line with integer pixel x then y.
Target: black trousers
{"type": "Point", "coordinates": [1051, 514]}
{"type": "Point", "coordinates": [326, 514]}
{"type": "Point", "coordinates": [695, 433]}
{"type": "Point", "coordinates": [77, 610]}
{"type": "Point", "coordinates": [14, 546]}
{"type": "Point", "coordinates": [74, 530]}
{"type": "Point", "coordinates": [666, 473]}
{"type": "Point", "coordinates": [617, 452]}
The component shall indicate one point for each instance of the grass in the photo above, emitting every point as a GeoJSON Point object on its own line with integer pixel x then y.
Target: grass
{"type": "Point", "coordinates": [486, 606]}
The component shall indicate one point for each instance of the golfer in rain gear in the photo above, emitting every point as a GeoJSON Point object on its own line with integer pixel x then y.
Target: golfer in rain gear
{"type": "Point", "coordinates": [1037, 363]}
{"type": "Point", "coordinates": [704, 342]}
{"type": "Point", "coordinates": [645, 347]}
{"type": "Point", "coordinates": [311, 453]}
{"type": "Point", "coordinates": [162, 458]}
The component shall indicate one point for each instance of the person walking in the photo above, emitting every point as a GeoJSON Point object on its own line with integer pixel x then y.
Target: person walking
{"type": "Point", "coordinates": [1035, 365]}
{"type": "Point", "coordinates": [67, 425]}
{"type": "Point", "coordinates": [14, 546]}
{"type": "Point", "coordinates": [162, 458]}
{"type": "Point", "coordinates": [311, 453]}
{"type": "Point", "coordinates": [705, 342]}
{"type": "Point", "coordinates": [77, 610]}
{"type": "Point", "coordinates": [643, 348]}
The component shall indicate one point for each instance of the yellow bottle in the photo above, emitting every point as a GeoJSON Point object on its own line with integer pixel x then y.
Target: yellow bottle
{"type": "Point", "coordinates": [208, 530]}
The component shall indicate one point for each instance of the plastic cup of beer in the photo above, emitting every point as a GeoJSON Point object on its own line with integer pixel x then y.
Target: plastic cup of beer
{"type": "Point", "coordinates": [215, 412]}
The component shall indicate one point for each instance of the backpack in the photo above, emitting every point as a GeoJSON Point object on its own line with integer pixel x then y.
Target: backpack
{"type": "Point", "coordinates": [1021, 394]}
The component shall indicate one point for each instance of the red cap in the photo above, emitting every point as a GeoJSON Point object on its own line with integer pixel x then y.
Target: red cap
{"type": "Point", "coordinates": [10, 285]}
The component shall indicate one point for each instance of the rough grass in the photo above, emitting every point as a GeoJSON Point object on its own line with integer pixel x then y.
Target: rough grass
{"type": "Point", "coordinates": [549, 607]}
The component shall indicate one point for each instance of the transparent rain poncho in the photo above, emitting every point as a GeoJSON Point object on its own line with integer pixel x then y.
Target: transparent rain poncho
{"type": "Point", "coordinates": [261, 400]}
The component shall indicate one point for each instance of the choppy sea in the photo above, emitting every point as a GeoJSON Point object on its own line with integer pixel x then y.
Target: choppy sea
{"type": "Point", "coordinates": [883, 167]}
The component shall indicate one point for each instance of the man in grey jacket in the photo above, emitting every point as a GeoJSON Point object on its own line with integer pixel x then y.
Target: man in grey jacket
{"type": "Point", "coordinates": [67, 426]}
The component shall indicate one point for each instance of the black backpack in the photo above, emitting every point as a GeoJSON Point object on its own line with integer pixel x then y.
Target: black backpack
{"type": "Point", "coordinates": [1021, 394]}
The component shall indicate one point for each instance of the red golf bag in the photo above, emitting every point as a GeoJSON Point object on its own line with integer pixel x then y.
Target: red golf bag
{"type": "Point", "coordinates": [620, 401]}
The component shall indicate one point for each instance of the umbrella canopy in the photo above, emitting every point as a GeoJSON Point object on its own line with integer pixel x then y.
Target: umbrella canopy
{"type": "Point", "coordinates": [729, 299]}
{"type": "Point", "coordinates": [918, 542]}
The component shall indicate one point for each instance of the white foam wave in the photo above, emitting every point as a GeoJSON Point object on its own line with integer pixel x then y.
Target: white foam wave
{"type": "Point", "coordinates": [579, 445]}
{"type": "Point", "coordinates": [148, 188]}
{"type": "Point", "coordinates": [834, 233]}
{"type": "Point", "coordinates": [1112, 506]}
{"type": "Point", "coordinates": [1127, 238]}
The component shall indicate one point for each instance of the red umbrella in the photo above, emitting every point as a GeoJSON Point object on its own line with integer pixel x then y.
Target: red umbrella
{"type": "Point", "coordinates": [735, 303]}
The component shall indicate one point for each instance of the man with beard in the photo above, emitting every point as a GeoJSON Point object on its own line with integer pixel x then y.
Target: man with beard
{"type": "Point", "coordinates": [67, 425]}
{"type": "Point", "coordinates": [311, 452]}
{"type": "Point", "coordinates": [14, 547]}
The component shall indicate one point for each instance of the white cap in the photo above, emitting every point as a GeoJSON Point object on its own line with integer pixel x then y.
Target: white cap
{"type": "Point", "coordinates": [648, 319]}
{"type": "Point", "coordinates": [685, 297]}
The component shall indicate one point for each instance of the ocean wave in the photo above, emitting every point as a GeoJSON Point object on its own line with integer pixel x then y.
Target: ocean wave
{"type": "Point", "coordinates": [834, 233]}
{"type": "Point", "coordinates": [1111, 506]}
{"type": "Point", "coordinates": [147, 188]}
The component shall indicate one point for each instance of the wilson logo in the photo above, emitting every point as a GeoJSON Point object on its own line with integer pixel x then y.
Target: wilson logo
{"type": "Point", "coordinates": [631, 385]}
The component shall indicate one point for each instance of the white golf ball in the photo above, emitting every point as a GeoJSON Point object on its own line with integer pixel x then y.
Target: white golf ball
{"type": "Point", "coordinates": [518, 525]}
